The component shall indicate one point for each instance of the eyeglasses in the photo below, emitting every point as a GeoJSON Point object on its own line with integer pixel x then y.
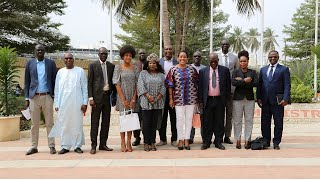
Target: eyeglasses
{"type": "Point", "coordinates": [103, 53]}
{"type": "Point", "coordinates": [167, 48]}
{"type": "Point", "coordinates": [68, 58]}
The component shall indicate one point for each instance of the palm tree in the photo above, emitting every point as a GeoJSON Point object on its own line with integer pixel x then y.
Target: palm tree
{"type": "Point", "coordinates": [252, 41]}
{"type": "Point", "coordinates": [247, 7]}
{"type": "Point", "coordinates": [269, 39]}
{"type": "Point", "coordinates": [237, 40]}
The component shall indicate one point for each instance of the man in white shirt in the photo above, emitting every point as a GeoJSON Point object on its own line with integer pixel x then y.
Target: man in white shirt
{"type": "Point", "coordinates": [167, 62]}
{"type": "Point", "coordinates": [230, 61]}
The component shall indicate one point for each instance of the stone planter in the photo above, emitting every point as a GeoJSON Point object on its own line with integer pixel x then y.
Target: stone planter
{"type": "Point", "coordinates": [9, 128]}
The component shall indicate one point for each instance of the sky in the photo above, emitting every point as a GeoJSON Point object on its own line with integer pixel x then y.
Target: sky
{"type": "Point", "coordinates": [88, 24]}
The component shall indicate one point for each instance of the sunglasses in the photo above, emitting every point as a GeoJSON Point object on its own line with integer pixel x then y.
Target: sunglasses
{"type": "Point", "coordinates": [68, 58]}
{"type": "Point", "coordinates": [168, 49]}
{"type": "Point", "coordinates": [196, 56]}
{"type": "Point", "coordinates": [103, 53]}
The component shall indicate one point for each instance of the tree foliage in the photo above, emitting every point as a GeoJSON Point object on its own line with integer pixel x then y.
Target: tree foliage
{"type": "Point", "coordinates": [301, 31]}
{"type": "Point", "coordinates": [24, 23]}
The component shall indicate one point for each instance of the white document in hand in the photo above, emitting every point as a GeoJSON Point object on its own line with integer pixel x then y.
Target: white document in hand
{"type": "Point", "coordinates": [26, 113]}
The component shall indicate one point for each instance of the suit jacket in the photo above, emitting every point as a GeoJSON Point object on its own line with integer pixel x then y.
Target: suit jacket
{"type": "Point", "coordinates": [224, 84]}
{"type": "Point", "coordinates": [174, 62]}
{"type": "Point", "coordinates": [280, 84]}
{"type": "Point", "coordinates": [233, 64]}
{"type": "Point", "coordinates": [31, 77]}
{"type": "Point", "coordinates": [96, 81]}
{"type": "Point", "coordinates": [242, 88]}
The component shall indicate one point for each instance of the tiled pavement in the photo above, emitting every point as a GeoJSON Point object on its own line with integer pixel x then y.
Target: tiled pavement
{"type": "Point", "coordinates": [299, 157]}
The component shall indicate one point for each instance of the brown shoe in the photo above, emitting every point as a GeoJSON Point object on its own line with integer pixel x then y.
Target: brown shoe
{"type": "Point", "coordinates": [153, 147]}
{"type": "Point", "coordinates": [238, 146]}
{"type": "Point", "coordinates": [146, 148]}
{"type": "Point", "coordinates": [93, 151]}
{"type": "Point", "coordinates": [247, 145]}
{"type": "Point", "coordinates": [53, 150]}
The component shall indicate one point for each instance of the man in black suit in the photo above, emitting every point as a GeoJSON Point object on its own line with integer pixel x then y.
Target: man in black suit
{"type": "Point", "coordinates": [100, 88]}
{"type": "Point", "coordinates": [273, 93]}
{"type": "Point", "coordinates": [214, 90]}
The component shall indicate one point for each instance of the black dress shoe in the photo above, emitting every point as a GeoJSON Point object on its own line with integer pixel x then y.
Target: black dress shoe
{"type": "Point", "coordinates": [32, 151]}
{"type": "Point", "coordinates": [63, 151]}
{"type": "Point", "coordinates": [227, 140]}
{"type": "Point", "coordinates": [93, 151]}
{"type": "Point", "coordinates": [153, 147]}
{"type": "Point", "coordinates": [78, 150]}
{"type": "Point", "coordinates": [190, 141]}
{"type": "Point", "coordinates": [53, 150]}
{"type": "Point", "coordinates": [205, 146]}
{"type": "Point", "coordinates": [268, 144]}
{"type": "Point", "coordinates": [219, 146]}
{"type": "Point", "coordinates": [180, 147]}
{"type": "Point", "coordinates": [146, 148]}
{"type": "Point", "coordinates": [105, 148]}
{"type": "Point", "coordinates": [276, 146]}
{"type": "Point", "coordinates": [136, 143]}
{"type": "Point", "coordinates": [187, 147]}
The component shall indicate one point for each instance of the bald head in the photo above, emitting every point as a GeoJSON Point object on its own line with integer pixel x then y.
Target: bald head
{"type": "Point", "coordinates": [68, 60]}
{"type": "Point", "coordinates": [225, 46]}
{"type": "Point", "coordinates": [103, 54]}
{"type": "Point", "coordinates": [213, 60]}
{"type": "Point", "coordinates": [39, 52]}
{"type": "Point", "coordinates": [142, 55]}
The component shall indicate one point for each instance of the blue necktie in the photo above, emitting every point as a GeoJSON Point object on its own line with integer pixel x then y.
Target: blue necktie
{"type": "Point", "coordinates": [270, 73]}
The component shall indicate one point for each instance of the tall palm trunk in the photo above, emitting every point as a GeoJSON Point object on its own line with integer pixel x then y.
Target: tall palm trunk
{"type": "Point", "coordinates": [185, 24]}
{"type": "Point", "coordinates": [178, 27]}
{"type": "Point", "coordinates": [165, 24]}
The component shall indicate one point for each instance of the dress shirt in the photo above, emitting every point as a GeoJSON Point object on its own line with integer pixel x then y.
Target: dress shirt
{"type": "Point", "coordinates": [42, 77]}
{"type": "Point", "coordinates": [224, 59]}
{"type": "Point", "coordinates": [167, 65]}
{"type": "Point", "coordinates": [198, 67]}
{"type": "Point", "coordinates": [214, 91]}
{"type": "Point", "coordinates": [274, 68]}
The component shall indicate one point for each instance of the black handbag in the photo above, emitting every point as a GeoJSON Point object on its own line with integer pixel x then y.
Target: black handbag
{"type": "Point", "coordinates": [259, 144]}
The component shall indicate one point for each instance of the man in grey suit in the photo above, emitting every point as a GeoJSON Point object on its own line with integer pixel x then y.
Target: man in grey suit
{"type": "Point", "coordinates": [100, 89]}
{"type": "Point", "coordinates": [167, 62]}
{"type": "Point", "coordinates": [40, 75]}
{"type": "Point", "coordinates": [230, 61]}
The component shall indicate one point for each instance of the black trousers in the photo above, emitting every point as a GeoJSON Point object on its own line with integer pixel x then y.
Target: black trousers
{"type": "Point", "coordinates": [173, 121]}
{"type": "Point", "coordinates": [213, 120]}
{"type": "Point", "coordinates": [269, 110]}
{"type": "Point", "coordinates": [105, 109]}
{"type": "Point", "coordinates": [136, 133]}
{"type": "Point", "coordinates": [150, 120]}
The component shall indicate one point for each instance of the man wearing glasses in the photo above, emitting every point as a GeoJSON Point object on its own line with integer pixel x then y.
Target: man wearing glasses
{"type": "Point", "coordinates": [100, 88]}
{"type": "Point", "coordinates": [167, 62]}
{"type": "Point", "coordinates": [197, 65]}
{"type": "Point", "coordinates": [39, 83]}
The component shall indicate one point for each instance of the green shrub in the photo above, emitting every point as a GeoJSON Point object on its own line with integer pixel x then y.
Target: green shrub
{"type": "Point", "coordinates": [301, 93]}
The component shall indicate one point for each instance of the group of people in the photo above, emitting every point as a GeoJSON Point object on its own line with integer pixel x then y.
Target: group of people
{"type": "Point", "coordinates": [153, 87]}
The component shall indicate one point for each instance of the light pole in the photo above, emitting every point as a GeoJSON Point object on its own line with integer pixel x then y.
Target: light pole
{"type": "Point", "coordinates": [111, 32]}
{"type": "Point", "coordinates": [160, 34]}
{"type": "Point", "coordinates": [211, 27]}
{"type": "Point", "coordinates": [262, 29]}
{"type": "Point", "coordinates": [315, 56]}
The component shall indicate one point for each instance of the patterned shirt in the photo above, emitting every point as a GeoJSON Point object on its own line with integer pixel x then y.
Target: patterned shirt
{"type": "Point", "coordinates": [153, 84]}
{"type": "Point", "coordinates": [184, 82]}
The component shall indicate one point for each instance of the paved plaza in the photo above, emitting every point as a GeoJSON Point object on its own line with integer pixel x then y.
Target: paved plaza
{"type": "Point", "coordinates": [299, 157]}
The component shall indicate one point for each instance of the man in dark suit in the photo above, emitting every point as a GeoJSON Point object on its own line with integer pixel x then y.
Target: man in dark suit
{"type": "Point", "coordinates": [167, 62]}
{"type": "Point", "coordinates": [273, 93]}
{"type": "Point", "coordinates": [100, 88]}
{"type": "Point", "coordinates": [40, 75]}
{"type": "Point", "coordinates": [214, 90]}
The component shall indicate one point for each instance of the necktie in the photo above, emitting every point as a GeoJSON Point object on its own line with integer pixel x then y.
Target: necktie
{"type": "Point", "coordinates": [270, 73]}
{"type": "Point", "coordinates": [226, 60]}
{"type": "Point", "coordinates": [104, 71]}
{"type": "Point", "coordinates": [214, 79]}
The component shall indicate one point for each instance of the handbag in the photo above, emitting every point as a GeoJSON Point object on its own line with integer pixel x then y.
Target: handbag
{"type": "Point", "coordinates": [129, 122]}
{"type": "Point", "coordinates": [196, 120]}
{"type": "Point", "coordinates": [259, 144]}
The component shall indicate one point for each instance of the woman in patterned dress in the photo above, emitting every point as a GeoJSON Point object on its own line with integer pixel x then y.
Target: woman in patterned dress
{"type": "Point", "coordinates": [151, 92]}
{"type": "Point", "coordinates": [182, 81]}
{"type": "Point", "coordinates": [125, 78]}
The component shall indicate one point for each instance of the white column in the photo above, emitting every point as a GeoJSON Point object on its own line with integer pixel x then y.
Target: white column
{"type": "Point", "coordinates": [111, 35]}
{"type": "Point", "coordinates": [211, 27]}
{"type": "Point", "coordinates": [315, 56]}
{"type": "Point", "coordinates": [160, 34]}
